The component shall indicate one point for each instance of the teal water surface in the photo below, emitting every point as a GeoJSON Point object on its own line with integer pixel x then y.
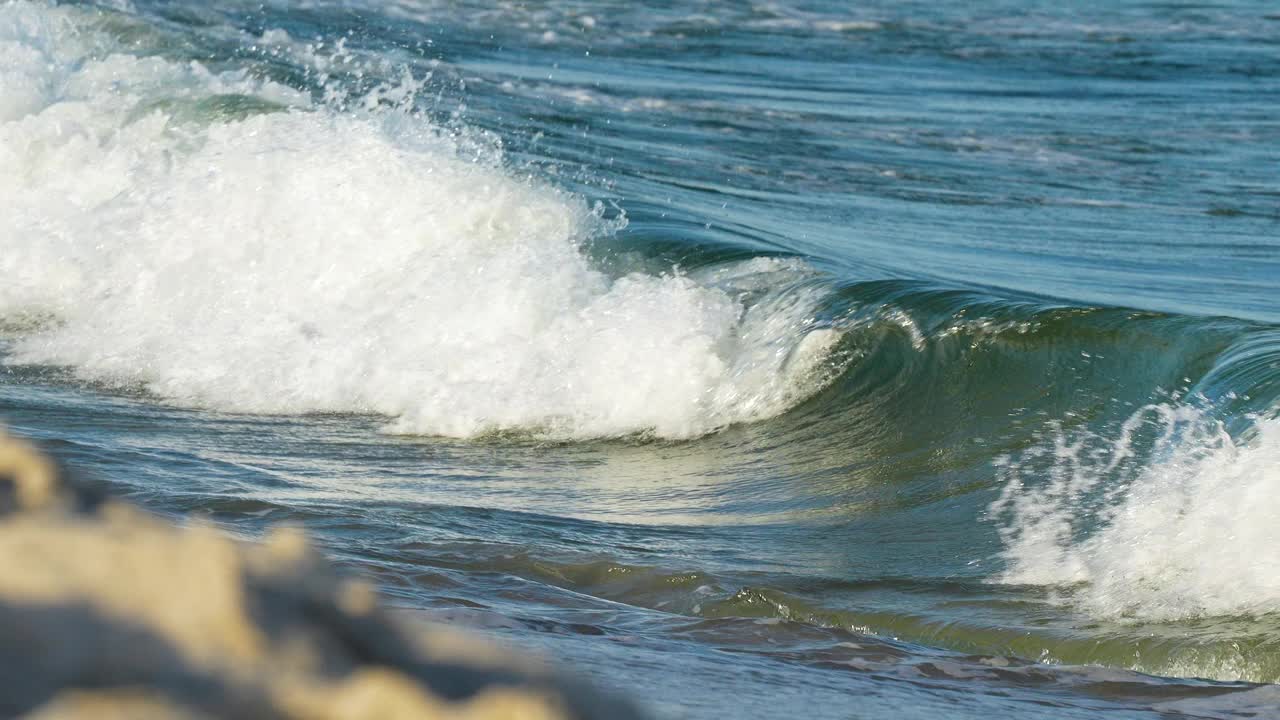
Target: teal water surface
{"type": "Point", "coordinates": [786, 358]}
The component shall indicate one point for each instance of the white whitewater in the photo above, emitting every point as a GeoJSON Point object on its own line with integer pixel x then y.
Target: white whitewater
{"type": "Point", "coordinates": [1190, 534]}
{"type": "Point", "coordinates": [311, 259]}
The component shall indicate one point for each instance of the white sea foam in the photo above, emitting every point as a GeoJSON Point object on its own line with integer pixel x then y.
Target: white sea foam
{"type": "Point", "coordinates": [317, 260]}
{"type": "Point", "coordinates": [1190, 532]}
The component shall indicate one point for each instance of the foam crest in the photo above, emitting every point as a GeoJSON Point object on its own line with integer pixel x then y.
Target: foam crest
{"type": "Point", "coordinates": [316, 260]}
{"type": "Point", "coordinates": [1172, 519]}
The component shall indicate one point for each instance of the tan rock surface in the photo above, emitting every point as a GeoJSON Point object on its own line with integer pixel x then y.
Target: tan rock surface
{"type": "Point", "coordinates": [108, 612]}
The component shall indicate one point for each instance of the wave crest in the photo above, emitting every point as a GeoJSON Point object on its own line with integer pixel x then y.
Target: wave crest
{"type": "Point", "coordinates": [311, 259]}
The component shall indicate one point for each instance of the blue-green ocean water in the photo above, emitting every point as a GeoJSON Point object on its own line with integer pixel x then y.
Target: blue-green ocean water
{"type": "Point", "coordinates": [785, 358]}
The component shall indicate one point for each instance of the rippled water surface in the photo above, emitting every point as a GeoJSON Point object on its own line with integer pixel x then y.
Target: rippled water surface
{"type": "Point", "coordinates": [785, 358]}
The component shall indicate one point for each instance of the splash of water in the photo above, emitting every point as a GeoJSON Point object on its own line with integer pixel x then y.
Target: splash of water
{"type": "Point", "coordinates": [1174, 518]}
{"type": "Point", "coordinates": [289, 258]}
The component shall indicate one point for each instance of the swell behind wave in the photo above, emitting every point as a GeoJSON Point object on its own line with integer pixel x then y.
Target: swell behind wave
{"type": "Point", "coordinates": [316, 260]}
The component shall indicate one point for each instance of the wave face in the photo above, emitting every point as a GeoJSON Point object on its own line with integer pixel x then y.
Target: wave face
{"type": "Point", "coordinates": [306, 260]}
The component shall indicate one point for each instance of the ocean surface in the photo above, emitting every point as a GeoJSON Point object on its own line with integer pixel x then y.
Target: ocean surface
{"type": "Point", "coordinates": [789, 359]}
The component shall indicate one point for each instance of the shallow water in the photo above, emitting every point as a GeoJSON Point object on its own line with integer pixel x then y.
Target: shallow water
{"type": "Point", "coordinates": [778, 357]}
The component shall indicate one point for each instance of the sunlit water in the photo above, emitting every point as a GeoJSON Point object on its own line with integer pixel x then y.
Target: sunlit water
{"type": "Point", "coordinates": [776, 358]}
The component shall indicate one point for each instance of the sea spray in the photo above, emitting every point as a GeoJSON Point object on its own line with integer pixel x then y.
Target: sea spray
{"type": "Point", "coordinates": [1170, 518]}
{"type": "Point", "coordinates": [290, 258]}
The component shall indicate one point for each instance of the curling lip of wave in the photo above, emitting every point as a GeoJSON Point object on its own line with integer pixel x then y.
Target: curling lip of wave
{"type": "Point", "coordinates": [312, 260]}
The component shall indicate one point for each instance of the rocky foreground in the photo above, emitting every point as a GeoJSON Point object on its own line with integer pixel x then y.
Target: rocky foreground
{"type": "Point", "coordinates": [108, 612]}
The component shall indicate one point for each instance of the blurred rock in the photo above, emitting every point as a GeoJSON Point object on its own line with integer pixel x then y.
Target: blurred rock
{"type": "Point", "coordinates": [108, 612]}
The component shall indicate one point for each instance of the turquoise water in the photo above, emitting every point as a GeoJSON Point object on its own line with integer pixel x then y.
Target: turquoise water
{"type": "Point", "coordinates": [780, 358]}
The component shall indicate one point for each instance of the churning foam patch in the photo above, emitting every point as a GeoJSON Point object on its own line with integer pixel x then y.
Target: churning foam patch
{"type": "Point", "coordinates": [1172, 519]}
{"type": "Point", "coordinates": [316, 260]}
